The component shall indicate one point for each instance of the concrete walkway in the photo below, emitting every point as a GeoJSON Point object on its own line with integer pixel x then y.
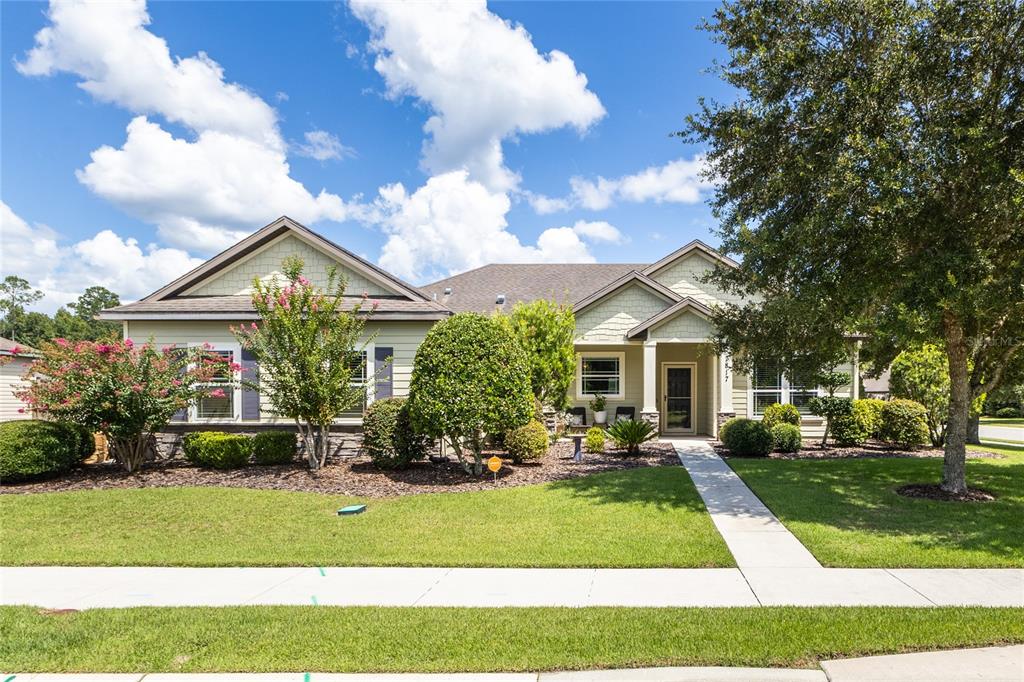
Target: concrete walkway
{"type": "Point", "coordinates": [1000, 432]}
{"type": "Point", "coordinates": [996, 664]}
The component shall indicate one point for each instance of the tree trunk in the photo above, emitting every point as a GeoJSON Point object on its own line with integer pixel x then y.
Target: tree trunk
{"type": "Point", "coordinates": [974, 430]}
{"type": "Point", "coordinates": [130, 452]}
{"type": "Point", "coordinates": [954, 475]}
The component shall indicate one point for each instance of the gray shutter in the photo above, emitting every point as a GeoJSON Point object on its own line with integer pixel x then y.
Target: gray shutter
{"type": "Point", "coordinates": [382, 372]}
{"type": "Point", "coordinates": [182, 414]}
{"type": "Point", "coordinates": [250, 397]}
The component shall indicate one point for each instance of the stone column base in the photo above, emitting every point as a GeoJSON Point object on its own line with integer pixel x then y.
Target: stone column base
{"type": "Point", "coordinates": [653, 418]}
{"type": "Point", "coordinates": [724, 417]}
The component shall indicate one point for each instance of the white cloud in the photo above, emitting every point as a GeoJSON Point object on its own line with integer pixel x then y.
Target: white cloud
{"type": "Point", "coordinates": [62, 273]}
{"type": "Point", "coordinates": [452, 224]}
{"type": "Point", "coordinates": [481, 76]}
{"type": "Point", "coordinates": [202, 194]}
{"type": "Point", "coordinates": [324, 146]}
{"type": "Point", "coordinates": [599, 231]}
{"type": "Point", "coordinates": [680, 181]}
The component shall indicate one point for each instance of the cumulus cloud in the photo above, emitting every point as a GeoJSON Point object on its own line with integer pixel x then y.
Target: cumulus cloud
{"type": "Point", "coordinates": [482, 78]}
{"type": "Point", "coordinates": [680, 181]}
{"type": "Point", "coordinates": [453, 223]}
{"type": "Point", "coordinates": [324, 146]}
{"type": "Point", "coordinates": [63, 271]}
{"type": "Point", "coordinates": [202, 193]}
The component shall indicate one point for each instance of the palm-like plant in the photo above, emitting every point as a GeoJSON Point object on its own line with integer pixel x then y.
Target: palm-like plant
{"type": "Point", "coordinates": [631, 434]}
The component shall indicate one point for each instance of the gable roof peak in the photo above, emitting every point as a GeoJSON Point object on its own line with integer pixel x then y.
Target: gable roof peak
{"type": "Point", "coordinates": [631, 277]}
{"type": "Point", "coordinates": [695, 245]}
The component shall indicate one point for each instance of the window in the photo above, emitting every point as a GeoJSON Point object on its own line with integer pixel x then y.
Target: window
{"type": "Point", "coordinates": [219, 400]}
{"type": "Point", "coordinates": [359, 378]}
{"type": "Point", "coordinates": [769, 385]}
{"type": "Point", "coordinates": [600, 373]}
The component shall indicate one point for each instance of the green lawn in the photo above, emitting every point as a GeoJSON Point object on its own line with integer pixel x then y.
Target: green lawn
{"type": "Point", "coordinates": [638, 517]}
{"type": "Point", "coordinates": [1003, 421]}
{"type": "Point", "coordinates": [309, 638]}
{"type": "Point", "coordinates": [847, 513]}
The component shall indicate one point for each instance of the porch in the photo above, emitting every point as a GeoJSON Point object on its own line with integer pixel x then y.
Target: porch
{"type": "Point", "coordinates": [680, 387]}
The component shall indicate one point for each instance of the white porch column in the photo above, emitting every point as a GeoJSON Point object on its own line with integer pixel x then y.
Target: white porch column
{"type": "Point", "coordinates": [725, 383]}
{"type": "Point", "coordinates": [649, 411]}
{"type": "Point", "coordinates": [855, 387]}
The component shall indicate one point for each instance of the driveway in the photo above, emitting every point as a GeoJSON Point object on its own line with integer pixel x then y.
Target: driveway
{"type": "Point", "coordinates": [994, 432]}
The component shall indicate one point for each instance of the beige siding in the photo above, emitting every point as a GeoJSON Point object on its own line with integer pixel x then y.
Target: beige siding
{"type": "Point", "coordinates": [608, 320]}
{"type": "Point", "coordinates": [403, 337]}
{"type": "Point", "coordinates": [10, 381]}
{"type": "Point", "coordinates": [684, 326]}
{"type": "Point", "coordinates": [684, 277]}
{"type": "Point", "coordinates": [633, 385]}
{"type": "Point", "coordinates": [265, 264]}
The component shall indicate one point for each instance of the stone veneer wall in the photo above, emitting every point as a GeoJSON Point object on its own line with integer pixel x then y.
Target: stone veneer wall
{"type": "Point", "coordinates": [346, 441]}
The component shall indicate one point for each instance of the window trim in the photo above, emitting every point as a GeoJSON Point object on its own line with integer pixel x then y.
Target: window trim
{"type": "Point", "coordinates": [236, 397]}
{"type": "Point", "coordinates": [618, 355]}
{"type": "Point", "coordinates": [784, 391]}
{"type": "Point", "coordinates": [371, 380]}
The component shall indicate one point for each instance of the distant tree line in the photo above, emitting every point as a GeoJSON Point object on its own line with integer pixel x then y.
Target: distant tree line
{"type": "Point", "coordinates": [75, 322]}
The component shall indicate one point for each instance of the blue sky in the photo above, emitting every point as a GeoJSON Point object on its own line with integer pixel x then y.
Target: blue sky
{"type": "Point", "coordinates": [128, 156]}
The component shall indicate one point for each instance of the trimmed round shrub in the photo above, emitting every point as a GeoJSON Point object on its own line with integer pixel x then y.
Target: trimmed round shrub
{"type": "Point", "coordinates": [389, 436]}
{"type": "Point", "coordinates": [1007, 412]}
{"type": "Point", "coordinates": [746, 437]}
{"type": "Point", "coordinates": [34, 448]}
{"type": "Point", "coordinates": [595, 439]}
{"type": "Point", "coordinates": [871, 409]}
{"type": "Point", "coordinates": [274, 447]}
{"type": "Point", "coordinates": [216, 449]}
{"type": "Point", "coordinates": [903, 423]}
{"type": "Point", "coordinates": [527, 442]}
{"type": "Point", "coordinates": [780, 413]}
{"type": "Point", "coordinates": [862, 423]}
{"type": "Point", "coordinates": [86, 440]}
{"type": "Point", "coordinates": [786, 437]}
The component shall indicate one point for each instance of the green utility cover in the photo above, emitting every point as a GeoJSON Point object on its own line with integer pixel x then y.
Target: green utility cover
{"type": "Point", "coordinates": [352, 509]}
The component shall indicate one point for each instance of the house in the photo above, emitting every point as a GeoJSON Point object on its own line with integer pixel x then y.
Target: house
{"type": "Point", "coordinates": [642, 329]}
{"type": "Point", "coordinates": [14, 362]}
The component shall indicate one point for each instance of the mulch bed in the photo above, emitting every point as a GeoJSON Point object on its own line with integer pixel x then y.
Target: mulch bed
{"type": "Point", "coordinates": [355, 475]}
{"type": "Point", "coordinates": [813, 450]}
{"type": "Point", "coordinates": [933, 491]}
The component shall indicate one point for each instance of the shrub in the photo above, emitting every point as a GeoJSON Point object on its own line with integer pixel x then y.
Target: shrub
{"type": "Point", "coordinates": [546, 330]}
{"type": "Point", "coordinates": [922, 375]}
{"type": "Point", "coordinates": [216, 449]}
{"type": "Point", "coordinates": [746, 437]}
{"type": "Point", "coordinates": [859, 425]}
{"type": "Point", "coordinates": [830, 407]}
{"type": "Point", "coordinates": [528, 442]}
{"type": "Point", "coordinates": [470, 377]}
{"type": "Point", "coordinates": [786, 437]}
{"type": "Point", "coordinates": [31, 448]}
{"type": "Point", "coordinates": [388, 434]}
{"type": "Point", "coordinates": [274, 447]}
{"type": "Point", "coordinates": [903, 423]}
{"type": "Point", "coordinates": [631, 434]}
{"type": "Point", "coordinates": [778, 413]}
{"type": "Point", "coordinates": [871, 408]}
{"type": "Point", "coordinates": [594, 442]}
{"type": "Point", "coordinates": [1007, 412]}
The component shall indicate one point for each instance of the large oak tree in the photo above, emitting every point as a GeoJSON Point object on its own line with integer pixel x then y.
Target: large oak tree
{"type": "Point", "coordinates": [870, 177]}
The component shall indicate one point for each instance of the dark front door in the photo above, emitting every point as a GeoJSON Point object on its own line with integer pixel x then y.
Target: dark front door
{"type": "Point", "coordinates": [679, 401]}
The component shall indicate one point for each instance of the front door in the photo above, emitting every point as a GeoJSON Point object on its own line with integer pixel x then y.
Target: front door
{"type": "Point", "coordinates": [678, 402]}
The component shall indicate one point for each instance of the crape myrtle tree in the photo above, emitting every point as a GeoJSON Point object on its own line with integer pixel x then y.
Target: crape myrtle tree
{"type": "Point", "coordinates": [470, 378]}
{"type": "Point", "coordinates": [871, 168]}
{"type": "Point", "coordinates": [309, 345]}
{"type": "Point", "coordinates": [546, 331]}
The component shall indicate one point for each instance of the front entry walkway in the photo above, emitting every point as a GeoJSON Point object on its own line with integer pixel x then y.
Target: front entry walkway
{"type": "Point", "coordinates": [774, 569]}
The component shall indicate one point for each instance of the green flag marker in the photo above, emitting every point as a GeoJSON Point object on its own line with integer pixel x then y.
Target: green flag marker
{"type": "Point", "coordinates": [352, 509]}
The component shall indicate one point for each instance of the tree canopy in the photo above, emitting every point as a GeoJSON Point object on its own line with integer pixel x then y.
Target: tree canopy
{"type": "Point", "coordinates": [76, 322]}
{"type": "Point", "coordinates": [870, 177]}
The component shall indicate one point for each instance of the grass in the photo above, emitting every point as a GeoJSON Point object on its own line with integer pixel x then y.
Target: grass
{"type": "Point", "coordinates": [342, 639]}
{"type": "Point", "coordinates": [634, 518]}
{"type": "Point", "coordinates": [1003, 421]}
{"type": "Point", "coordinates": [847, 513]}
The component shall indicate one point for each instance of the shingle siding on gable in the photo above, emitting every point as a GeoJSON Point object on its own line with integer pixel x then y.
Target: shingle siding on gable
{"type": "Point", "coordinates": [610, 319]}
{"type": "Point", "coordinates": [684, 325]}
{"type": "Point", "coordinates": [266, 263]}
{"type": "Point", "coordinates": [685, 278]}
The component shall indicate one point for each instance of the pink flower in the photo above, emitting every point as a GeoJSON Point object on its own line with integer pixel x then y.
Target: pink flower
{"type": "Point", "coordinates": [303, 281]}
{"type": "Point", "coordinates": [137, 388]}
{"type": "Point", "coordinates": [175, 382]}
{"type": "Point", "coordinates": [207, 346]}
{"type": "Point", "coordinates": [103, 348]}
{"type": "Point", "coordinates": [281, 300]}
{"type": "Point", "coordinates": [234, 367]}
{"type": "Point", "coordinates": [376, 304]}
{"type": "Point", "coordinates": [315, 307]}
{"type": "Point", "coordinates": [62, 342]}
{"type": "Point", "coordinates": [128, 343]}
{"type": "Point", "coordinates": [366, 294]}
{"type": "Point", "coordinates": [17, 349]}
{"type": "Point", "coordinates": [218, 393]}
{"type": "Point", "coordinates": [21, 410]}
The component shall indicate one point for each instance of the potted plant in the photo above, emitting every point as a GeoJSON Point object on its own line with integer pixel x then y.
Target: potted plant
{"type": "Point", "coordinates": [598, 405]}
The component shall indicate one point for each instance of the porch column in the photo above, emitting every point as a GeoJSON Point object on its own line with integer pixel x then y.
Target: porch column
{"type": "Point", "coordinates": [649, 411]}
{"type": "Point", "coordinates": [725, 408]}
{"type": "Point", "coordinates": [855, 387]}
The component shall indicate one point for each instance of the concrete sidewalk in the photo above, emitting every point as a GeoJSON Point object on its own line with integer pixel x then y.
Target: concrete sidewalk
{"type": "Point", "coordinates": [994, 664]}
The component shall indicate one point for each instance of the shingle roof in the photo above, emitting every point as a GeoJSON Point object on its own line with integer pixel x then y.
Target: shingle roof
{"type": "Point", "coordinates": [240, 307]}
{"type": "Point", "coordinates": [477, 290]}
{"type": "Point", "coordinates": [7, 347]}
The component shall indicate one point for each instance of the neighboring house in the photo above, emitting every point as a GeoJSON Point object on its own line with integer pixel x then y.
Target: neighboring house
{"type": "Point", "coordinates": [642, 330]}
{"type": "Point", "coordinates": [14, 362]}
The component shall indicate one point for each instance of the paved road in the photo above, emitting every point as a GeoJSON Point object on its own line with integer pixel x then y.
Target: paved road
{"type": "Point", "coordinates": [989, 431]}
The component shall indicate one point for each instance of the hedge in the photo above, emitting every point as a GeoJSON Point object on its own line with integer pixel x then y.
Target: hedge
{"type": "Point", "coordinates": [216, 449]}
{"type": "Point", "coordinates": [34, 448]}
{"type": "Point", "coordinates": [274, 447]}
